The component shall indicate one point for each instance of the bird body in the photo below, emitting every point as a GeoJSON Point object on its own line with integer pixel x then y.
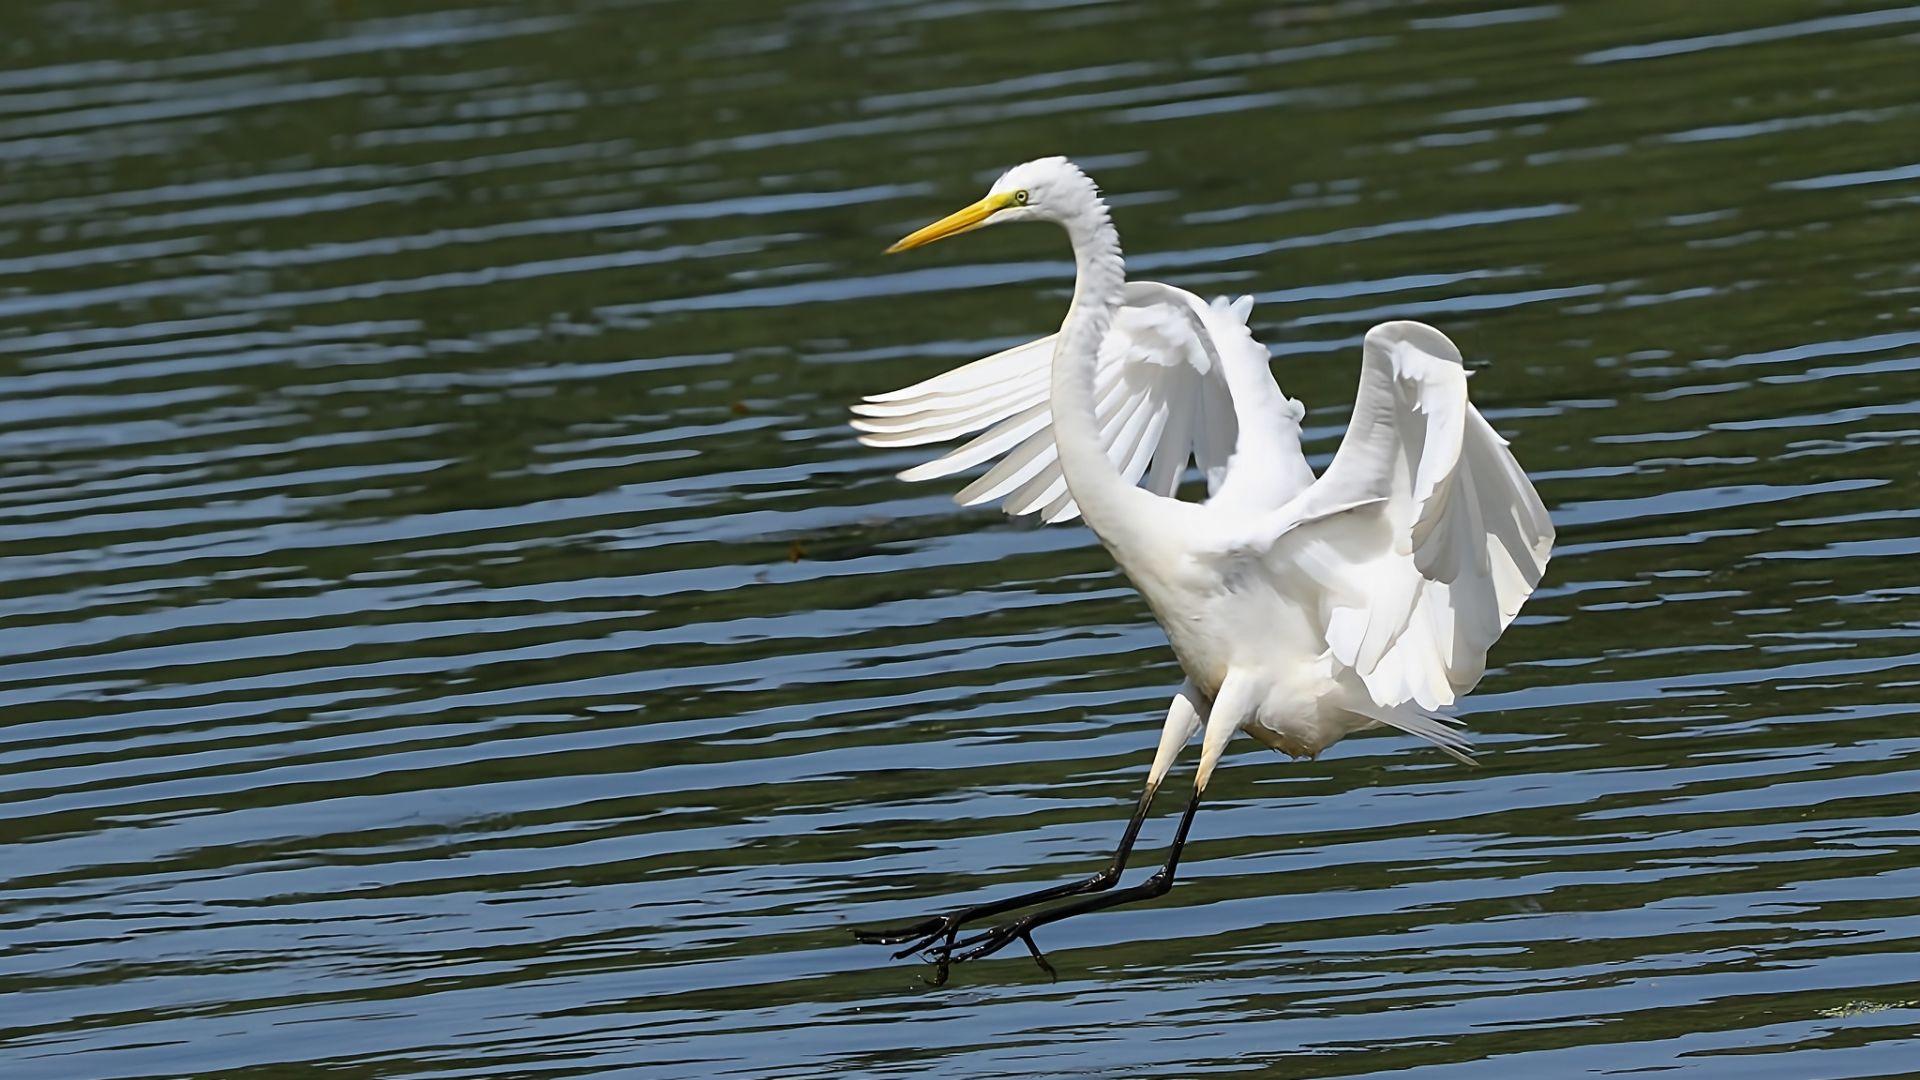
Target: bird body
{"type": "Point", "coordinates": [1301, 608]}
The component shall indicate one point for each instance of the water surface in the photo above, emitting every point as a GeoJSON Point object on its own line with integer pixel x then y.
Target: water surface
{"type": "Point", "coordinates": [448, 630]}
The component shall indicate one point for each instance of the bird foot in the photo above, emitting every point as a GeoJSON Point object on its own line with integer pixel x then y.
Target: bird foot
{"type": "Point", "coordinates": [924, 938]}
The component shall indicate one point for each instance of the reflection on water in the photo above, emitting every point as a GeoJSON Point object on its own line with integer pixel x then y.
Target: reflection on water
{"type": "Point", "coordinates": [447, 628]}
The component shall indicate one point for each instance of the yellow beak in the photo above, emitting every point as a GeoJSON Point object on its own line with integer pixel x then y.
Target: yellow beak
{"type": "Point", "coordinates": [955, 223]}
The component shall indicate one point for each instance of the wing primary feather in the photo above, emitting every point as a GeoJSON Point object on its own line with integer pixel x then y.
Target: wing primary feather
{"type": "Point", "coordinates": [989, 444]}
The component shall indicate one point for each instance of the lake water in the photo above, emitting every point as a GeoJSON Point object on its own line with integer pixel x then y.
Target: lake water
{"type": "Point", "coordinates": [449, 629]}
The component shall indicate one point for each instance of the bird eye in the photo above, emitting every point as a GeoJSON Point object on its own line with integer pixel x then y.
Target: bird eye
{"type": "Point", "coordinates": [1020, 198]}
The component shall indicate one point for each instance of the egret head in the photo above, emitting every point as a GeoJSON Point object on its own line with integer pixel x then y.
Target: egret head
{"type": "Point", "coordinates": [1044, 189]}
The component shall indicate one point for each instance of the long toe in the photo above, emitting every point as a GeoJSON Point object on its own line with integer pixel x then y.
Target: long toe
{"type": "Point", "coordinates": [921, 942]}
{"type": "Point", "coordinates": [985, 944]}
{"type": "Point", "coordinates": [972, 939]}
{"type": "Point", "coordinates": [894, 935]}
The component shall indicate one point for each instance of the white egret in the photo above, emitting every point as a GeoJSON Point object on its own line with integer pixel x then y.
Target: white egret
{"type": "Point", "coordinates": [1300, 609]}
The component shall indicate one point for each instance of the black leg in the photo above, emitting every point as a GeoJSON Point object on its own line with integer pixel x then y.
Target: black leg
{"type": "Point", "coordinates": [925, 933]}
{"type": "Point", "coordinates": [1021, 929]}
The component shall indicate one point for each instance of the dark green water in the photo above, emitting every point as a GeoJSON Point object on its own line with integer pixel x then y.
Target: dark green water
{"type": "Point", "coordinates": [448, 630]}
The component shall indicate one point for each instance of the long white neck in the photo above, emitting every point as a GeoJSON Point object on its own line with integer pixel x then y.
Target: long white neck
{"type": "Point", "coordinates": [1096, 483]}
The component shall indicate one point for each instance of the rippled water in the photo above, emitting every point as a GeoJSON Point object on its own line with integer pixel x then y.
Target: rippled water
{"type": "Point", "coordinates": [449, 629]}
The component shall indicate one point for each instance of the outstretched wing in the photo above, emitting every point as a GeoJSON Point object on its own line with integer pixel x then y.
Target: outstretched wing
{"type": "Point", "coordinates": [1165, 393]}
{"type": "Point", "coordinates": [1423, 536]}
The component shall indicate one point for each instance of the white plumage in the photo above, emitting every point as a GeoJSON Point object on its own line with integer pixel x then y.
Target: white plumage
{"type": "Point", "coordinates": [1423, 538]}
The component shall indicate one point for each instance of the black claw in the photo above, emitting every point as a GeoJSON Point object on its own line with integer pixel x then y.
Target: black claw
{"type": "Point", "coordinates": [1038, 957]}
